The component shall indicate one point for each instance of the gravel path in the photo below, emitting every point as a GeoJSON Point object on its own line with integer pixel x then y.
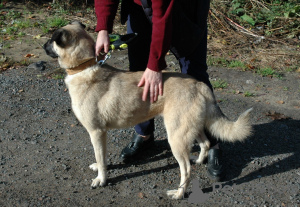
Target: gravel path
{"type": "Point", "coordinates": [45, 152]}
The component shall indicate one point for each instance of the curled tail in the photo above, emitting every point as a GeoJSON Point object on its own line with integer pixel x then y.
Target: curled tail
{"type": "Point", "coordinates": [220, 127]}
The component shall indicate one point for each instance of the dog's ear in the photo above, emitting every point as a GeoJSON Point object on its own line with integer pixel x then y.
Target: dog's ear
{"type": "Point", "coordinates": [78, 23]}
{"type": "Point", "coordinates": [62, 37]}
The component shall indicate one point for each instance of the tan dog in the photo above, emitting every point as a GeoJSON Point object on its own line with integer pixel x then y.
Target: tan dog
{"type": "Point", "coordinates": [106, 98]}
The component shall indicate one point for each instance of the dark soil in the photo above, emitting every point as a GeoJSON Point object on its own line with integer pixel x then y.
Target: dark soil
{"type": "Point", "coordinates": [45, 152]}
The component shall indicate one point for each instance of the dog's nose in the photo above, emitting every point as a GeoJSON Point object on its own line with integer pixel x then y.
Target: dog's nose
{"type": "Point", "coordinates": [45, 45]}
{"type": "Point", "coordinates": [49, 49]}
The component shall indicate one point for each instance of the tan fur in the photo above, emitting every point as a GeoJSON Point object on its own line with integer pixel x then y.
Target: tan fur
{"type": "Point", "coordinates": [106, 98]}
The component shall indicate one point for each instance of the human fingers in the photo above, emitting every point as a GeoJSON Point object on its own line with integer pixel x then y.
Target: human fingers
{"type": "Point", "coordinates": [145, 91]}
{"type": "Point", "coordinates": [102, 42]}
{"type": "Point", "coordinates": [154, 91]}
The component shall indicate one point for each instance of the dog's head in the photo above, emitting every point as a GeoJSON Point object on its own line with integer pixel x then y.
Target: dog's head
{"type": "Point", "coordinates": [71, 44]}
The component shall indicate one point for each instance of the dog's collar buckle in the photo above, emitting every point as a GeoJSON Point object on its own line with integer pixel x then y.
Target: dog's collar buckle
{"type": "Point", "coordinates": [102, 62]}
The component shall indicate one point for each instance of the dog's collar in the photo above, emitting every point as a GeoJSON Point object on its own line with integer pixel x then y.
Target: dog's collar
{"type": "Point", "coordinates": [81, 67]}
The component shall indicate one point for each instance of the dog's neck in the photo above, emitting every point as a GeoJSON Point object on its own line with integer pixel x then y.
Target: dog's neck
{"type": "Point", "coordinates": [82, 66]}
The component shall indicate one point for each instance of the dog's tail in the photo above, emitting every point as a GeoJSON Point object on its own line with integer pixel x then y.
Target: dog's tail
{"type": "Point", "coordinates": [222, 128]}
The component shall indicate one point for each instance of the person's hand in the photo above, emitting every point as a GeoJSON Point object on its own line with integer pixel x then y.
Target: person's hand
{"type": "Point", "coordinates": [151, 80]}
{"type": "Point", "coordinates": [102, 42]}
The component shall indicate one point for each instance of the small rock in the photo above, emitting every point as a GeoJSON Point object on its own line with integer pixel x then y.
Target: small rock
{"type": "Point", "coordinates": [37, 66]}
{"type": "Point", "coordinates": [250, 82]}
{"type": "Point", "coordinates": [141, 195]}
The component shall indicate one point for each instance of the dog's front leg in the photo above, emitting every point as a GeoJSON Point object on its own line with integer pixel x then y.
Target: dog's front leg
{"type": "Point", "coordinates": [98, 138]}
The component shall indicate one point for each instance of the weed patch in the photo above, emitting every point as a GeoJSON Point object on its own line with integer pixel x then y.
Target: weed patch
{"type": "Point", "coordinates": [219, 84]}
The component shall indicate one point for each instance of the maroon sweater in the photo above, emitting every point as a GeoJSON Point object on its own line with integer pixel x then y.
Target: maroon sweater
{"type": "Point", "coordinates": [161, 27]}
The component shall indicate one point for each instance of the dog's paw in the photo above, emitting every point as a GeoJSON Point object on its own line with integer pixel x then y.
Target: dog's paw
{"type": "Point", "coordinates": [175, 194]}
{"type": "Point", "coordinates": [193, 158]}
{"type": "Point", "coordinates": [94, 167]}
{"type": "Point", "coordinates": [97, 182]}
{"type": "Point", "coordinates": [202, 158]}
{"type": "Point", "coordinates": [200, 161]}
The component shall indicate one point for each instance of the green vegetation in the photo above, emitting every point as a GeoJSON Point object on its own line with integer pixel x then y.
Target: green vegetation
{"type": "Point", "coordinates": [248, 94]}
{"type": "Point", "coordinates": [219, 61]}
{"type": "Point", "coordinates": [271, 13]}
{"type": "Point", "coordinates": [14, 23]}
{"type": "Point", "coordinates": [219, 84]}
{"type": "Point", "coordinates": [268, 72]}
{"type": "Point", "coordinates": [237, 64]}
{"type": "Point", "coordinates": [58, 76]}
{"type": "Point", "coordinates": [57, 22]}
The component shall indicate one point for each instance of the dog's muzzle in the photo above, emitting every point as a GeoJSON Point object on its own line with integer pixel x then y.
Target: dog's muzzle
{"type": "Point", "coordinates": [48, 47]}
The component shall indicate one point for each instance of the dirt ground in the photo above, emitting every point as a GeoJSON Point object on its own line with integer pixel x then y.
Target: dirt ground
{"type": "Point", "coordinates": [45, 152]}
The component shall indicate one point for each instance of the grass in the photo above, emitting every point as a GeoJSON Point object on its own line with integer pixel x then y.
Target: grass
{"type": "Point", "coordinates": [248, 94]}
{"type": "Point", "coordinates": [268, 72]}
{"type": "Point", "coordinates": [53, 23]}
{"type": "Point", "coordinates": [220, 61]}
{"type": "Point", "coordinates": [223, 62]}
{"type": "Point", "coordinates": [265, 72]}
{"type": "Point", "coordinates": [271, 14]}
{"type": "Point", "coordinates": [57, 22]}
{"type": "Point", "coordinates": [13, 23]}
{"type": "Point", "coordinates": [58, 76]}
{"type": "Point", "coordinates": [237, 64]}
{"type": "Point", "coordinates": [219, 84]}
{"type": "Point", "coordinates": [25, 62]}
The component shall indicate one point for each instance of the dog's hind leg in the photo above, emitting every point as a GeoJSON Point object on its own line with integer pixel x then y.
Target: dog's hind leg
{"type": "Point", "coordinates": [98, 139]}
{"type": "Point", "coordinates": [204, 145]}
{"type": "Point", "coordinates": [181, 149]}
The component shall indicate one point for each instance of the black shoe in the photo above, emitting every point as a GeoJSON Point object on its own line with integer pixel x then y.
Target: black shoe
{"type": "Point", "coordinates": [214, 166]}
{"type": "Point", "coordinates": [135, 146]}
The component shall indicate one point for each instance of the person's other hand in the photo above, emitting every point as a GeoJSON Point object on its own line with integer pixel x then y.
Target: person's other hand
{"type": "Point", "coordinates": [152, 81]}
{"type": "Point", "coordinates": [102, 42]}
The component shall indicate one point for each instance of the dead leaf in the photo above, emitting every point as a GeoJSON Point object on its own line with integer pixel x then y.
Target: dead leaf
{"type": "Point", "coordinates": [224, 42]}
{"type": "Point", "coordinates": [280, 102]}
{"type": "Point", "coordinates": [31, 17]}
{"type": "Point", "coordinates": [298, 70]}
{"type": "Point", "coordinates": [276, 116]}
{"type": "Point", "coordinates": [251, 67]}
{"type": "Point", "coordinates": [28, 55]}
{"type": "Point", "coordinates": [234, 55]}
{"type": "Point", "coordinates": [37, 37]}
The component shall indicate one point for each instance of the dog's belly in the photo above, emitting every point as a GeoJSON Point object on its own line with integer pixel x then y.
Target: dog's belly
{"type": "Point", "coordinates": [115, 115]}
{"type": "Point", "coordinates": [128, 118]}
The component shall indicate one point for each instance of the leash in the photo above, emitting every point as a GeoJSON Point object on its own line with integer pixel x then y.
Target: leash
{"type": "Point", "coordinates": [102, 62]}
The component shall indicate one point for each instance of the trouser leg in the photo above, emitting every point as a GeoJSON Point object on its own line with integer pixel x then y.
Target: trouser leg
{"type": "Point", "coordinates": [138, 53]}
{"type": "Point", "coordinates": [196, 66]}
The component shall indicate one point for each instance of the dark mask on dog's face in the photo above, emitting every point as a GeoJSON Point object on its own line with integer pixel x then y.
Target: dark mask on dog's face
{"type": "Point", "coordinates": [71, 44]}
{"type": "Point", "coordinates": [62, 38]}
{"type": "Point", "coordinates": [48, 47]}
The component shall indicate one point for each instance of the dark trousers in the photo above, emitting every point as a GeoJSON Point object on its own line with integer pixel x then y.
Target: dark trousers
{"type": "Point", "coordinates": [138, 54]}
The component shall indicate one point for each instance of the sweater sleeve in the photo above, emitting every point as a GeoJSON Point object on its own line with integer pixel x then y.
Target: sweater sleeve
{"type": "Point", "coordinates": [161, 33]}
{"type": "Point", "coordinates": [105, 11]}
